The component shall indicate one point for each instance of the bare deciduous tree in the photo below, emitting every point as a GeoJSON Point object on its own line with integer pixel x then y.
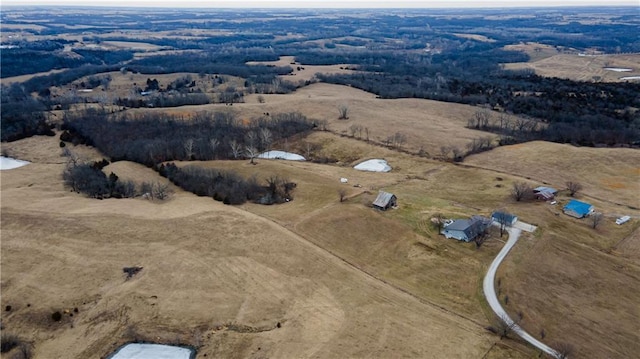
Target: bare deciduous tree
{"type": "Point", "coordinates": [505, 326]}
{"type": "Point", "coordinates": [343, 111]}
{"type": "Point", "coordinates": [399, 139]}
{"type": "Point", "coordinates": [564, 350]}
{"type": "Point", "coordinates": [213, 145]}
{"type": "Point", "coordinates": [310, 148]}
{"type": "Point", "coordinates": [520, 190]}
{"type": "Point", "coordinates": [188, 149]}
{"type": "Point", "coordinates": [353, 129]}
{"type": "Point", "coordinates": [236, 148]}
{"type": "Point", "coordinates": [457, 154]}
{"type": "Point", "coordinates": [322, 124]}
{"type": "Point", "coordinates": [480, 119]}
{"type": "Point", "coordinates": [251, 139]}
{"type": "Point", "coordinates": [596, 218]}
{"type": "Point", "coordinates": [251, 152]}
{"type": "Point", "coordinates": [573, 187]}
{"type": "Point", "coordinates": [161, 191]}
{"type": "Point", "coordinates": [444, 152]}
{"type": "Point", "coordinates": [266, 138]}
{"type": "Point", "coordinates": [438, 220]}
{"type": "Point", "coordinates": [342, 193]}
{"type": "Point", "coordinates": [502, 218]}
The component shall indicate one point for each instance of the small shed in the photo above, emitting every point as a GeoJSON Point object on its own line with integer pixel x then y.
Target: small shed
{"type": "Point", "coordinates": [551, 190]}
{"type": "Point", "coordinates": [544, 196]}
{"type": "Point", "coordinates": [545, 193]}
{"type": "Point", "coordinates": [466, 229]}
{"type": "Point", "coordinates": [385, 200]}
{"type": "Point", "coordinates": [578, 209]}
{"type": "Point", "coordinates": [504, 217]}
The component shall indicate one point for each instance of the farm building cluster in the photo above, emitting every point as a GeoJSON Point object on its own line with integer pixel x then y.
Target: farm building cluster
{"type": "Point", "coordinates": [469, 229]}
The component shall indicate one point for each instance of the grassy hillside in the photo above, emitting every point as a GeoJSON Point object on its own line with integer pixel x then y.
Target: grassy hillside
{"type": "Point", "coordinates": [342, 279]}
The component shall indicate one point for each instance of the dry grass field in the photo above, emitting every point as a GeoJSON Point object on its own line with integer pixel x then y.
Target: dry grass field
{"type": "Point", "coordinates": [580, 68]}
{"type": "Point", "coordinates": [215, 276]}
{"type": "Point", "coordinates": [342, 279]}
{"type": "Point", "coordinates": [610, 175]}
{"type": "Point", "coordinates": [304, 72]}
{"type": "Point", "coordinates": [425, 123]}
{"type": "Point", "coordinates": [23, 78]}
{"type": "Point", "coordinates": [570, 290]}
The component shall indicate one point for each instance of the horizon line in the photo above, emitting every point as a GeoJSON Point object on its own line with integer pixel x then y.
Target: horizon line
{"type": "Point", "coordinates": [231, 7]}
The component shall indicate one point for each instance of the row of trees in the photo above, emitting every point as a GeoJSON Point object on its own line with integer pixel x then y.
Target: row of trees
{"type": "Point", "coordinates": [154, 138]}
{"type": "Point", "coordinates": [228, 186]}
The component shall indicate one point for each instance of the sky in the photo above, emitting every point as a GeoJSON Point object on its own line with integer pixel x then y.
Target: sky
{"type": "Point", "coordinates": [328, 4]}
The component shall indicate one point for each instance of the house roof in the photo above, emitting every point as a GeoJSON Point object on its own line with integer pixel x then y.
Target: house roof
{"type": "Point", "coordinates": [471, 227]}
{"type": "Point", "coordinates": [545, 195]}
{"type": "Point", "coordinates": [507, 217]}
{"type": "Point", "coordinates": [383, 199]}
{"type": "Point", "coordinates": [459, 225]}
{"type": "Point", "coordinates": [578, 207]}
{"type": "Point", "coordinates": [545, 189]}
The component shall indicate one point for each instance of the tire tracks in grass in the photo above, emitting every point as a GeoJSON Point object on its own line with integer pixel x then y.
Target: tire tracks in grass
{"type": "Point", "coordinates": [366, 274]}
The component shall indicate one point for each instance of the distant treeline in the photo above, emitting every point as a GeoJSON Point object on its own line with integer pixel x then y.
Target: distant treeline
{"type": "Point", "coordinates": [30, 58]}
{"type": "Point", "coordinates": [229, 63]}
{"type": "Point", "coordinates": [21, 115]}
{"type": "Point", "coordinates": [582, 113]}
{"type": "Point", "coordinates": [153, 138]}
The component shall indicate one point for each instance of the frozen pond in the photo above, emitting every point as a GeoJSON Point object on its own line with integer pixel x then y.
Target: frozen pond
{"type": "Point", "coordinates": [152, 351]}
{"type": "Point", "coordinates": [374, 165]}
{"type": "Point", "coordinates": [630, 78]}
{"type": "Point", "coordinates": [7, 163]}
{"type": "Point", "coordinates": [618, 69]}
{"type": "Point", "coordinates": [281, 155]}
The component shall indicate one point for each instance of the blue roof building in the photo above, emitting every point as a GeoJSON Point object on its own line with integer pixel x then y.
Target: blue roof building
{"type": "Point", "coordinates": [504, 218]}
{"type": "Point", "coordinates": [466, 229]}
{"type": "Point", "coordinates": [578, 209]}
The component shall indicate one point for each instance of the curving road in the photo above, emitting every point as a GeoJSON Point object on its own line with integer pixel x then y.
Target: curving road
{"type": "Point", "coordinates": [492, 298]}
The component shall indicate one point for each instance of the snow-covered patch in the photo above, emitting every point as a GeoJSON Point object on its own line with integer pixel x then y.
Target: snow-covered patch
{"type": "Point", "coordinates": [151, 351]}
{"type": "Point", "coordinates": [618, 69]}
{"type": "Point", "coordinates": [281, 155]}
{"type": "Point", "coordinates": [630, 78]}
{"type": "Point", "coordinates": [374, 165]}
{"type": "Point", "coordinates": [7, 163]}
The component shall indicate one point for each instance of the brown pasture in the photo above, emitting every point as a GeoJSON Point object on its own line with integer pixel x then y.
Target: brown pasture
{"type": "Point", "coordinates": [610, 175]}
{"type": "Point", "coordinates": [224, 279]}
{"type": "Point", "coordinates": [342, 279]}
{"type": "Point", "coordinates": [305, 72]}
{"type": "Point", "coordinates": [425, 123]}
{"type": "Point", "coordinates": [583, 68]}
